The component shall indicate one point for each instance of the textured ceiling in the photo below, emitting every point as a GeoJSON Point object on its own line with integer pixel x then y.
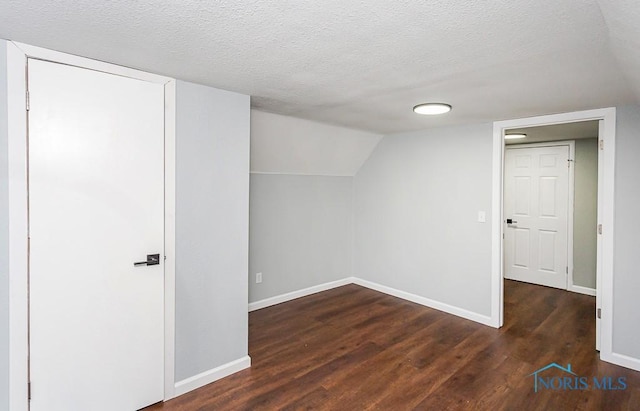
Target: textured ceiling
{"type": "Point", "coordinates": [362, 64]}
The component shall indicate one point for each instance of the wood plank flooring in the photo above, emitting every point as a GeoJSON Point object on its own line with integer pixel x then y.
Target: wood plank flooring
{"type": "Point", "coordinates": [352, 348]}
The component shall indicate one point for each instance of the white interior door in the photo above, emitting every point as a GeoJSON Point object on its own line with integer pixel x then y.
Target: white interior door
{"type": "Point", "coordinates": [96, 154]}
{"type": "Point", "coordinates": [536, 199]}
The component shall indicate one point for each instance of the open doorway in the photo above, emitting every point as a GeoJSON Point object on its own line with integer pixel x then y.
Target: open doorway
{"type": "Point", "coordinates": [606, 119]}
{"type": "Point", "coordinates": [550, 205]}
{"type": "Point", "coordinates": [550, 193]}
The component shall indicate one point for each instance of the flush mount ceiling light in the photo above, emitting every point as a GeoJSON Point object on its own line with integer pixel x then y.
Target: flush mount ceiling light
{"type": "Point", "coordinates": [514, 136]}
{"type": "Point", "coordinates": [432, 109]}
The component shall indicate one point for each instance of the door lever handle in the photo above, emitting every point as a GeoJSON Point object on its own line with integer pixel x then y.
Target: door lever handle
{"type": "Point", "coordinates": [152, 259]}
{"type": "Point", "coordinates": [510, 221]}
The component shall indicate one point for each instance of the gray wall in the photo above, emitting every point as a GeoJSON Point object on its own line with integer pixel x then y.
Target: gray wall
{"type": "Point", "coordinates": [212, 191]}
{"type": "Point", "coordinates": [585, 215]}
{"type": "Point", "coordinates": [626, 287]}
{"type": "Point", "coordinates": [300, 232]}
{"type": "Point", "coordinates": [416, 204]}
{"type": "Point", "coordinates": [4, 235]}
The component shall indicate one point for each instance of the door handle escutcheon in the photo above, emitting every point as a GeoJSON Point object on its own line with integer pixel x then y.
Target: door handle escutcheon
{"type": "Point", "coordinates": [152, 259]}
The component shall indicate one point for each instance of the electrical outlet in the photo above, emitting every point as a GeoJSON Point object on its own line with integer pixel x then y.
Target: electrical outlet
{"type": "Point", "coordinates": [258, 278]}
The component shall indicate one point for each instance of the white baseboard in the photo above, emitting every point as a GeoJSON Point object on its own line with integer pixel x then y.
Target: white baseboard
{"type": "Point", "coordinates": [622, 360]}
{"type": "Point", "coordinates": [267, 302]}
{"type": "Point", "coordinates": [440, 306]}
{"type": "Point", "coordinates": [207, 377]}
{"type": "Point", "coordinates": [582, 290]}
{"type": "Point", "coordinates": [437, 305]}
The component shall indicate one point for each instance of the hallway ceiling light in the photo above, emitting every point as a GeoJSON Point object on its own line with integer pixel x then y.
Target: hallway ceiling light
{"type": "Point", "coordinates": [514, 136]}
{"type": "Point", "coordinates": [432, 109]}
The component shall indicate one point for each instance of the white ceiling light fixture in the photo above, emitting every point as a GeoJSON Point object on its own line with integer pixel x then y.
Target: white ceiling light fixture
{"type": "Point", "coordinates": [514, 136]}
{"type": "Point", "coordinates": [432, 109]}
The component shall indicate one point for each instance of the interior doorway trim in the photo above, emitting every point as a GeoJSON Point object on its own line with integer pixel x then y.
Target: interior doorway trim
{"type": "Point", "coordinates": [17, 54]}
{"type": "Point", "coordinates": [606, 171]}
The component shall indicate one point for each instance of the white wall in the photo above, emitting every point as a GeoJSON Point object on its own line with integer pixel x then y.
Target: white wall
{"type": "Point", "coordinates": [585, 213]}
{"type": "Point", "coordinates": [301, 202]}
{"type": "Point", "coordinates": [626, 287]}
{"type": "Point", "coordinates": [288, 145]}
{"type": "Point", "coordinates": [300, 232]}
{"type": "Point", "coordinates": [416, 204]}
{"type": "Point", "coordinates": [212, 208]}
{"type": "Point", "coordinates": [4, 235]}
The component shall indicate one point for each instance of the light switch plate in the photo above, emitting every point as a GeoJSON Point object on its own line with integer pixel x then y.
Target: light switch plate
{"type": "Point", "coordinates": [482, 217]}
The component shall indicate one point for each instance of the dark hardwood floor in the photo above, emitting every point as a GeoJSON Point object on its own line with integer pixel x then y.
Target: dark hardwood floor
{"type": "Point", "coordinates": [352, 348]}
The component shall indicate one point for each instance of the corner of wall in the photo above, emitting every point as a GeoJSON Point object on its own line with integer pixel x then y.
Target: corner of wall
{"type": "Point", "coordinates": [366, 159]}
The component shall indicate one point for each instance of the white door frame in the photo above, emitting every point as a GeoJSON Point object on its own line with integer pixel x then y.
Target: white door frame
{"type": "Point", "coordinates": [17, 54]}
{"type": "Point", "coordinates": [570, 201]}
{"type": "Point", "coordinates": [606, 179]}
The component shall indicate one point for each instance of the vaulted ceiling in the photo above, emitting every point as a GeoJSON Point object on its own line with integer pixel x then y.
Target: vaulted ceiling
{"type": "Point", "coordinates": [362, 64]}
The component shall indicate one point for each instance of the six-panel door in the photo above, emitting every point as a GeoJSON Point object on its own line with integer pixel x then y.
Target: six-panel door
{"type": "Point", "coordinates": [536, 199]}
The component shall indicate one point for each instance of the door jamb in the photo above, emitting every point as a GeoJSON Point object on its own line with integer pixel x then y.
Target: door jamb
{"type": "Point", "coordinates": [571, 144]}
{"type": "Point", "coordinates": [17, 54]}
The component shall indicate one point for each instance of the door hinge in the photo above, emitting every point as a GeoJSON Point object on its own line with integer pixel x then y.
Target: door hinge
{"type": "Point", "coordinates": [29, 390]}
{"type": "Point", "coordinates": [600, 229]}
{"type": "Point", "coordinates": [566, 270]}
{"type": "Point", "coordinates": [601, 144]}
{"type": "Point", "coordinates": [28, 103]}
{"type": "Point", "coordinates": [599, 313]}
{"type": "Point", "coordinates": [569, 161]}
